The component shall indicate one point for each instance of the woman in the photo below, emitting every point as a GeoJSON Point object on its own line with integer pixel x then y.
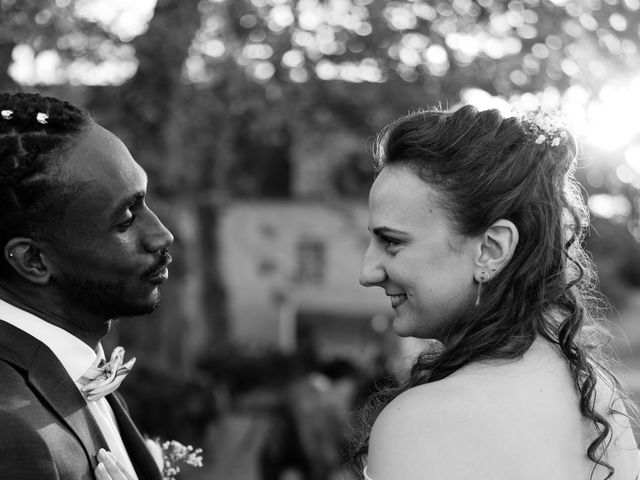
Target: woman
{"type": "Point", "coordinates": [476, 226]}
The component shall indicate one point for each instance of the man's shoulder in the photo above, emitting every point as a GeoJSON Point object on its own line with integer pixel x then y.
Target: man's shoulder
{"type": "Point", "coordinates": [17, 426]}
{"type": "Point", "coordinates": [13, 423]}
{"type": "Point", "coordinates": [11, 376]}
{"type": "Point", "coordinates": [15, 392]}
{"type": "Point", "coordinates": [24, 453]}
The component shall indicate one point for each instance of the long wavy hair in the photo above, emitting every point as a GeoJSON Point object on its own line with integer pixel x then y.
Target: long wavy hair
{"type": "Point", "coordinates": [485, 168]}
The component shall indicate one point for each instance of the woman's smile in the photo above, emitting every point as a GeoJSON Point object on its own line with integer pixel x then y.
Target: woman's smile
{"type": "Point", "coordinates": [397, 299]}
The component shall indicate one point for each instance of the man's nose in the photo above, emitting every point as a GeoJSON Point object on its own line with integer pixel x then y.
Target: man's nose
{"type": "Point", "coordinates": [372, 272]}
{"type": "Point", "coordinates": [159, 238]}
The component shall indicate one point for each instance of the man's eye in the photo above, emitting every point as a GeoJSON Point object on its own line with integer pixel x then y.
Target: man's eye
{"type": "Point", "coordinates": [127, 223]}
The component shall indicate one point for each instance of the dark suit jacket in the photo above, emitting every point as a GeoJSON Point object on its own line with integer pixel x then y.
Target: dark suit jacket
{"type": "Point", "coordinates": [46, 429]}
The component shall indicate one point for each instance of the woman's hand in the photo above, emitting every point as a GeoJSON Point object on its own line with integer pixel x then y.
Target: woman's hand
{"type": "Point", "coordinates": [108, 467]}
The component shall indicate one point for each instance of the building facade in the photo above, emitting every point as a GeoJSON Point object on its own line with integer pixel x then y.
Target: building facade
{"type": "Point", "coordinates": [291, 273]}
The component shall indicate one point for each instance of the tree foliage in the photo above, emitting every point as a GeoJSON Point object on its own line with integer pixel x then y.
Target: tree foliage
{"type": "Point", "coordinates": [229, 98]}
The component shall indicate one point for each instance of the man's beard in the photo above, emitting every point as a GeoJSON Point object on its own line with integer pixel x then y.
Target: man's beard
{"type": "Point", "coordinates": [106, 299]}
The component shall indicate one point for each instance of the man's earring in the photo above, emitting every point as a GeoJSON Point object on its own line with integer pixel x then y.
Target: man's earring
{"type": "Point", "coordinates": [10, 254]}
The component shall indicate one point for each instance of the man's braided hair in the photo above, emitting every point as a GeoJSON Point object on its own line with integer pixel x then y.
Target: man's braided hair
{"type": "Point", "coordinates": [33, 191]}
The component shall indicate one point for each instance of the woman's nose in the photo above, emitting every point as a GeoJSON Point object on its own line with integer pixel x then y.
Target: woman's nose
{"type": "Point", "coordinates": [372, 272]}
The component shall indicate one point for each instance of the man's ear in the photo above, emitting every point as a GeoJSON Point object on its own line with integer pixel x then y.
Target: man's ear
{"type": "Point", "coordinates": [497, 245]}
{"type": "Point", "coordinates": [26, 258]}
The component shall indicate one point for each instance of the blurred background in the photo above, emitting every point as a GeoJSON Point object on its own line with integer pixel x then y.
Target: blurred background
{"type": "Point", "coordinates": [254, 120]}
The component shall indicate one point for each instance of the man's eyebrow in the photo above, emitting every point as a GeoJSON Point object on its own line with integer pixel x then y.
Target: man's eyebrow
{"type": "Point", "coordinates": [127, 203]}
{"type": "Point", "coordinates": [383, 230]}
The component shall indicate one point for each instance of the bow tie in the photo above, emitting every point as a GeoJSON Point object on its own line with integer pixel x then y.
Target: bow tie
{"type": "Point", "coordinates": [103, 377]}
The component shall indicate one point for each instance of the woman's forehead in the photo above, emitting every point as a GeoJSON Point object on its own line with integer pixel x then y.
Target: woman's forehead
{"type": "Point", "coordinates": [399, 197]}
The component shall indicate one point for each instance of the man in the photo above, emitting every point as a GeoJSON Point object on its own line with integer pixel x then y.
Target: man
{"type": "Point", "coordinates": [79, 247]}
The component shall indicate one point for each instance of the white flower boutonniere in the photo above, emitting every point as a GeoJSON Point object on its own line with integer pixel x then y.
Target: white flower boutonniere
{"type": "Point", "coordinates": [168, 454]}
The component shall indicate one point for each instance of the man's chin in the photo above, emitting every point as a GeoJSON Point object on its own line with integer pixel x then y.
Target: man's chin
{"type": "Point", "coordinates": [136, 308]}
{"type": "Point", "coordinates": [113, 300]}
{"type": "Point", "coordinates": [143, 308]}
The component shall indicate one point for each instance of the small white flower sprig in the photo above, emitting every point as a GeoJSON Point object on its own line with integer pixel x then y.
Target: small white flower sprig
{"type": "Point", "coordinates": [167, 454]}
{"type": "Point", "coordinates": [173, 451]}
{"type": "Point", "coordinates": [549, 128]}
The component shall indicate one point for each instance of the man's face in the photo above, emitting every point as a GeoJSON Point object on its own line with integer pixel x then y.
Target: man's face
{"type": "Point", "coordinates": [110, 255]}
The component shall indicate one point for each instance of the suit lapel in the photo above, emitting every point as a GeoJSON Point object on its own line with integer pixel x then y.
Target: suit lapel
{"type": "Point", "coordinates": [60, 392]}
{"type": "Point", "coordinates": [46, 374]}
{"type": "Point", "coordinates": [143, 462]}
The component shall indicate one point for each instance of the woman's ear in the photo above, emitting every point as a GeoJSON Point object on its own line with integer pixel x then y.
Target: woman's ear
{"type": "Point", "coordinates": [497, 245]}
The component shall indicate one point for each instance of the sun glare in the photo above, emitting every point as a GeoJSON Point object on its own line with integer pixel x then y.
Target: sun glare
{"type": "Point", "coordinates": [610, 120]}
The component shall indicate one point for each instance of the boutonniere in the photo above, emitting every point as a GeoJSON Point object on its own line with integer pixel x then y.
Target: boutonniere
{"type": "Point", "coordinates": [169, 453]}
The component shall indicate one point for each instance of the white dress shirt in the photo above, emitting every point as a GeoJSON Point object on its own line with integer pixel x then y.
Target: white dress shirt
{"type": "Point", "coordinates": [76, 357]}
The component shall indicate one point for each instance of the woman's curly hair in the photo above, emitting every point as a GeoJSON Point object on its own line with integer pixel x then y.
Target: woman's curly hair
{"type": "Point", "coordinates": [487, 167]}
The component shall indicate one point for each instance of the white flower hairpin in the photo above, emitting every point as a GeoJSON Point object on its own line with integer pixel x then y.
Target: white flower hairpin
{"type": "Point", "coordinates": [6, 114]}
{"type": "Point", "coordinates": [42, 117]}
{"type": "Point", "coordinates": [547, 128]}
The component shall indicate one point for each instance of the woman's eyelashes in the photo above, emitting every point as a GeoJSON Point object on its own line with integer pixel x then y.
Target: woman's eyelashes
{"type": "Point", "coordinates": [390, 244]}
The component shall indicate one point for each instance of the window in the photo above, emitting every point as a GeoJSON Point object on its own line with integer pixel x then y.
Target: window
{"type": "Point", "coordinates": [311, 261]}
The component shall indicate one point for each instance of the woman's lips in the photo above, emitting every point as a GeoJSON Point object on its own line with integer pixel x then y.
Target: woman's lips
{"type": "Point", "coordinates": [397, 300]}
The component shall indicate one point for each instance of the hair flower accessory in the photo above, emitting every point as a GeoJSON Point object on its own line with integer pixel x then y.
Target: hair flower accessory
{"type": "Point", "coordinates": [7, 114]}
{"type": "Point", "coordinates": [42, 117]}
{"type": "Point", "coordinates": [545, 127]}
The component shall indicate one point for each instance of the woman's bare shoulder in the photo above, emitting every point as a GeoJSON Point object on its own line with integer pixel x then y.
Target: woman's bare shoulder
{"type": "Point", "coordinates": [422, 432]}
{"type": "Point", "coordinates": [477, 420]}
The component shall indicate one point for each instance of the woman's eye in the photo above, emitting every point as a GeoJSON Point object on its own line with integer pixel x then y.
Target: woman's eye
{"type": "Point", "coordinates": [389, 243]}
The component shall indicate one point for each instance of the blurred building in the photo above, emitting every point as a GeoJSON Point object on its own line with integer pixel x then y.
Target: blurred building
{"type": "Point", "coordinates": [291, 272]}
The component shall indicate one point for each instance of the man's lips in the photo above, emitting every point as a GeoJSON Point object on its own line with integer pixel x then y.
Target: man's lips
{"type": "Point", "coordinates": [160, 277]}
{"type": "Point", "coordinates": [158, 271]}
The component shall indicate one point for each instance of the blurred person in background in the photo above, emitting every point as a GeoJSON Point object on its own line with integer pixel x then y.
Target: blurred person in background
{"type": "Point", "coordinates": [306, 434]}
{"type": "Point", "coordinates": [476, 227]}
{"type": "Point", "coordinates": [80, 247]}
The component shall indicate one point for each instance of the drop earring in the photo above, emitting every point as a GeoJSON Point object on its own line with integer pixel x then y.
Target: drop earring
{"type": "Point", "coordinates": [480, 283]}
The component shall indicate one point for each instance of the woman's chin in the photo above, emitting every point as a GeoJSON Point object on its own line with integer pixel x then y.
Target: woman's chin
{"type": "Point", "coordinates": [403, 327]}
{"type": "Point", "coordinates": [408, 327]}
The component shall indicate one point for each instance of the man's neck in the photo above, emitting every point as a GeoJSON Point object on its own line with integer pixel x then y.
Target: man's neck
{"type": "Point", "coordinates": [52, 310]}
